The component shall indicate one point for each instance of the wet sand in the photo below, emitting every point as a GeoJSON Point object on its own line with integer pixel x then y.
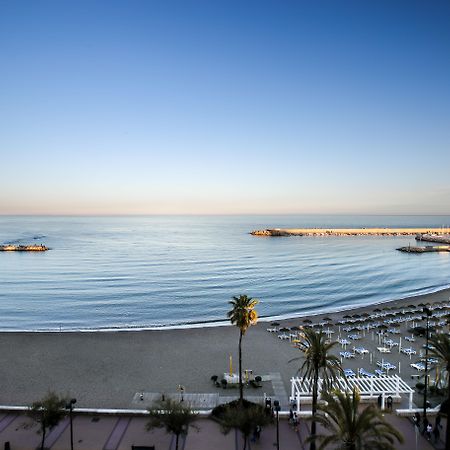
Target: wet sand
{"type": "Point", "coordinates": [107, 369]}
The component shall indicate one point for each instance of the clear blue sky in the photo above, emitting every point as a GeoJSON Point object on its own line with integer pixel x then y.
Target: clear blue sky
{"type": "Point", "coordinates": [224, 107]}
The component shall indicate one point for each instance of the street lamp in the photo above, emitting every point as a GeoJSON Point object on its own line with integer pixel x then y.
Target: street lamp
{"type": "Point", "coordinates": [69, 406]}
{"type": "Point", "coordinates": [428, 313]}
{"type": "Point", "coordinates": [277, 408]}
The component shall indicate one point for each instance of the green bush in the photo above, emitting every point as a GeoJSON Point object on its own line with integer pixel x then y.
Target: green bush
{"type": "Point", "coordinates": [219, 411]}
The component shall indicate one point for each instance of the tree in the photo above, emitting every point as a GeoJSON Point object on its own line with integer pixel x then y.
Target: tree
{"type": "Point", "coordinates": [352, 429]}
{"type": "Point", "coordinates": [48, 412]}
{"type": "Point", "coordinates": [172, 415]}
{"type": "Point", "coordinates": [244, 417]}
{"type": "Point", "coordinates": [243, 315]}
{"type": "Point", "coordinates": [440, 349]}
{"type": "Point", "coordinates": [318, 363]}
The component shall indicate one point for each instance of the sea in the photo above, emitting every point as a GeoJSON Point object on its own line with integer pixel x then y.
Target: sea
{"type": "Point", "coordinates": [145, 272]}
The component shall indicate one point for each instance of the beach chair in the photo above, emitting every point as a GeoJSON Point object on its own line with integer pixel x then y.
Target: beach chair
{"type": "Point", "coordinates": [364, 373]}
{"type": "Point", "coordinates": [349, 373]}
{"type": "Point", "coordinates": [360, 350]}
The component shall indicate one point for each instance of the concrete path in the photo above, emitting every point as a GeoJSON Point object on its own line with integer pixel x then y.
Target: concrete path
{"type": "Point", "coordinates": [120, 433]}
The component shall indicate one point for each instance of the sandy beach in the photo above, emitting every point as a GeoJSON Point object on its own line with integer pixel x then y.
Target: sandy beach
{"type": "Point", "coordinates": [108, 369]}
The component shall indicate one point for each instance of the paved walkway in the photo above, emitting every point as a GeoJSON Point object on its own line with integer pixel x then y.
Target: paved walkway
{"type": "Point", "coordinates": [120, 433]}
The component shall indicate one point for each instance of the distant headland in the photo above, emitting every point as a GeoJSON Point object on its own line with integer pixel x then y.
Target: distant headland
{"type": "Point", "coordinates": [349, 231]}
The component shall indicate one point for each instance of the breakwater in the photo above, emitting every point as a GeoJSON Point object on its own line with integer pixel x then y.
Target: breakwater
{"type": "Point", "coordinates": [433, 238]}
{"type": "Point", "coordinates": [276, 232]}
{"type": "Point", "coordinates": [23, 248]}
{"type": "Point", "coordinates": [426, 249]}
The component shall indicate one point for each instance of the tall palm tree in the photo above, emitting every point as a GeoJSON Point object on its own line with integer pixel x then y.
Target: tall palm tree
{"type": "Point", "coordinates": [318, 363]}
{"type": "Point", "coordinates": [441, 350]}
{"type": "Point", "coordinates": [352, 429]}
{"type": "Point", "coordinates": [243, 315]}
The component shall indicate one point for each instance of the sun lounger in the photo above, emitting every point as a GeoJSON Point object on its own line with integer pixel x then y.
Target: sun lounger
{"type": "Point", "coordinates": [386, 365]}
{"type": "Point", "coordinates": [360, 350]}
{"type": "Point", "coordinates": [384, 349]}
{"type": "Point", "coordinates": [408, 351]}
{"type": "Point", "coordinates": [354, 337]}
{"type": "Point", "coordinates": [283, 337]}
{"type": "Point", "coordinates": [364, 373]}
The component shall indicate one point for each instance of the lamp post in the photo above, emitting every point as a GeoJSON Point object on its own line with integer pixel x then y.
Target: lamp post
{"type": "Point", "coordinates": [69, 406]}
{"type": "Point", "coordinates": [428, 314]}
{"type": "Point", "coordinates": [276, 406]}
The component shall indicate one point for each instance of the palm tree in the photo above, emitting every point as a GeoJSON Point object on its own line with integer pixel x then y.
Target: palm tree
{"type": "Point", "coordinates": [351, 429]}
{"type": "Point", "coordinates": [318, 363]}
{"type": "Point", "coordinates": [441, 350]}
{"type": "Point", "coordinates": [174, 416]}
{"type": "Point", "coordinates": [48, 412]}
{"type": "Point", "coordinates": [245, 418]}
{"type": "Point", "coordinates": [243, 315]}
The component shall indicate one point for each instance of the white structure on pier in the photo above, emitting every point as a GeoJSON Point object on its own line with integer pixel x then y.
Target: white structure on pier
{"type": "Point", "coordinates": [368, 388]}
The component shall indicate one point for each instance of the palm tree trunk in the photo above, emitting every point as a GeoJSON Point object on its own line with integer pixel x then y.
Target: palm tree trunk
{"type": "Point", "coordinates": [176, 441]}
{"type": "Point", "coordinates": [314, 410]}
{"type": "Point", "coordinates": [43, 438]}
{"type": "Point", "coordinates": [245, 441]}
{"type": "Point", "coordinates": [447, 431]}
{"type": "Point", "coordinates": [241, 388]}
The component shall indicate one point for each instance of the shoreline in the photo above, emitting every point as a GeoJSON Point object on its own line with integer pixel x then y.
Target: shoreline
{"type": "Point", "coordinates": [226, 323]}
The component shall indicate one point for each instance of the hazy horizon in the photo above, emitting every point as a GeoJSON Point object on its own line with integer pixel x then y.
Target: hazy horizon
{"type": "Point", "coordinates": [155, 108]}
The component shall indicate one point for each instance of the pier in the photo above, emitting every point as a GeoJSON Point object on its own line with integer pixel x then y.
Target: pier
{"type": "Point", "coordinates": [277, 232]}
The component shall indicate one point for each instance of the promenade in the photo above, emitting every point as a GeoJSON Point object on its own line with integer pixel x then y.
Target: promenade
{"type": "Point", "coordinates": [122, 432]}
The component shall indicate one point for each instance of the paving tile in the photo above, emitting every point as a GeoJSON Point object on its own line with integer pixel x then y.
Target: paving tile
{"type": "Point", "coordinates": [117, 433]}
{"type": "Point", "coordinates": [87, 435]}
{"type": "Point", "coordinates": [209, 437]}
{"type": "Point", "coordinates": [22, 433]}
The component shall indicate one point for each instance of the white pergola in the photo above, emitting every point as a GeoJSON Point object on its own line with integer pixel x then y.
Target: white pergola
{"type": "Point", "coordinates": [368, 388]}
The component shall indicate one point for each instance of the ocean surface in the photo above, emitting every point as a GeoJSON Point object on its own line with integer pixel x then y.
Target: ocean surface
{"type": "Point", "coordinates": [144, 272]}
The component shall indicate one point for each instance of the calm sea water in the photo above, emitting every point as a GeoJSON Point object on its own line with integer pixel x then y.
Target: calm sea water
{"type": "Point", "coordinates": [139, 272]}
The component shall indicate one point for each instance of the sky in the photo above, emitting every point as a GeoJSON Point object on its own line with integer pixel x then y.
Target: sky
{"type": "Point", "coordinates": [246, 107]}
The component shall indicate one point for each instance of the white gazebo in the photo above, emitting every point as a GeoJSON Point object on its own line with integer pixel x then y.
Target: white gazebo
{"type": "Point", "coordinates": [368, 388]}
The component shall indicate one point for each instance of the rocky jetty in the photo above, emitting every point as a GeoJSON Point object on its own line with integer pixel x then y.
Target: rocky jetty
{"type": "Point", "coordinates": [426, 249]}
{"type": "Point", "coordinates": [349, 232]}
{"type": "Point", "coordinates": [23, 248]}
{"type": "Point", "coordinates": [433, 238]}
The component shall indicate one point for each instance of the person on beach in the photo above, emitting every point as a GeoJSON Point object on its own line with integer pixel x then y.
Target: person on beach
{"type": "Point", "coordinates": [429, 431]}
{"type": "Point", "coordinates": [291, 416]}
{"type": "Point", "coordinates": [295, 422]}
{"type": "Point", "coordinates": [256, 433]}
{"type": "Point", "coordinates": [416, 420]}
{"type": "Point", "coordinates": [389, 403]}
